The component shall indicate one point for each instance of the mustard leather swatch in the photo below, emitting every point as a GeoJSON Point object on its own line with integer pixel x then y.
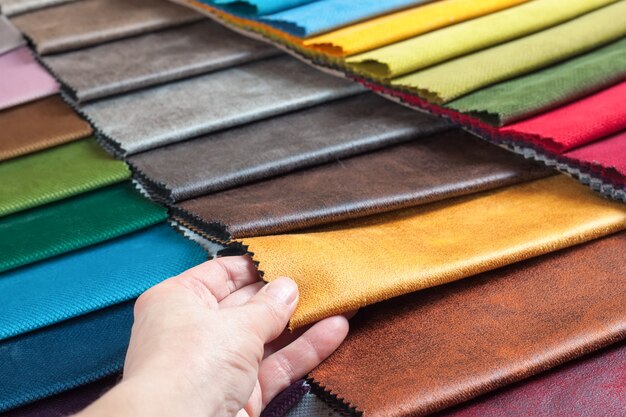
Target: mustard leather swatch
{"type": "Point", "coordinates": [352, 264]}
{"type": "Point", "coordinates": [452, 79]}
{"type": "Point", "coordinates": [398, 26]}
{"type": "Point", "coordinates": [444, 44]}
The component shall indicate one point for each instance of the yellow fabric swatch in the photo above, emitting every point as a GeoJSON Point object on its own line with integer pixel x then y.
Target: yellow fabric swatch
{"type": "Point", "coordinates": [452, 79]}
{"type": "Point", "coordinates": [441, 45]}
{"type": "Point", "coordinates": [401, 25]}
{"type": "Point", "coordinates": [352, 264]}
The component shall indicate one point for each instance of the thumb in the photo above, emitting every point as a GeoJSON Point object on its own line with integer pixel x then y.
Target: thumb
{"type": "Point", "coordinates": [269, 311]}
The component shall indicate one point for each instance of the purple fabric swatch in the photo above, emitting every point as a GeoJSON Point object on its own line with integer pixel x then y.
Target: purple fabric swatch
{"type": "Point", "coordinates": [283, 402]}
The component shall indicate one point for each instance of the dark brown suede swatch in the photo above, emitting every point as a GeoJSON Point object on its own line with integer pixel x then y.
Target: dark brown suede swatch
{"type": "Point", "coordinates": [421, 171]}
{"type": "Point", "coordinates": [439, 347]}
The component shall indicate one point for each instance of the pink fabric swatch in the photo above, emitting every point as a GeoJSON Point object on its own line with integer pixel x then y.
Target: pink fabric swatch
{"type": "Point", "coordinates": [23, 79]}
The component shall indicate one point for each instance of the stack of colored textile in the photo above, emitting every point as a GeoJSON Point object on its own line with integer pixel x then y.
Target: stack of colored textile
{"type": "Point", "coordinates": [474, 267]}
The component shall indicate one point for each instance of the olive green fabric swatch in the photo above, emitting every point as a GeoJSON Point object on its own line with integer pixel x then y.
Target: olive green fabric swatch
{"type": "Point", "coordinates": [75, 223]}
{"type": "Point", "coordinates": [55, 174]}
{"type": "Point", "coordinates": [549, 88]}
{"type": "Point", "coordinates": [450, 80]}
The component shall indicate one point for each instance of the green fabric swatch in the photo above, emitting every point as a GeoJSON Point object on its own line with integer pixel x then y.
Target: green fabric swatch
{"type": "Point", "coordinates": [543, 90]}
{"type": "Point", "coordinates": [450, 80]}
{"type": "Point", "coordinates": [74, 223]}
{"type": "Point", "coordinates": [55, 174]}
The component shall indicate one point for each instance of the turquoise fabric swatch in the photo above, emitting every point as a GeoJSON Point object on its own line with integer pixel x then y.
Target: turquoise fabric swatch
{"type": "Point", "coordinates": [255, 7]}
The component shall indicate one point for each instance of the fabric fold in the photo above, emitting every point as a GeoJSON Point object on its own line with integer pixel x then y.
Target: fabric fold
{"type": "Point", "coordinates": [151, 59]}
{"type": "Point", "coordinates": [39, 125]}
{"type": "Point", "coordinates": [422, 171]}
{"type": "Point", "coordinates": [10, 37]}
{"type": "Point", "coordinates": [74, 223]}
{"type": "Point", "coordinates": [412, 249]}
{"type": "Point", "coordinates": [55, 174]}
{"type": "Point", "coordinates": [13, 7]}
{"type": "Point", "coordinates": [526, 318]}
{"type": "Point", "coordinates": [178, 111]}
{"type": "Point", "coordinates": [86, 23]}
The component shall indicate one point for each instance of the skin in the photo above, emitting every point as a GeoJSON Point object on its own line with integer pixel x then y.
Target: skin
{"type": "Point", "coordinates": [211, 342]}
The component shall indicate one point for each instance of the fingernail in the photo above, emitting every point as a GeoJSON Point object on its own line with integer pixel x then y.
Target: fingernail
{"type": "Point", "coordinates": [283, 289]}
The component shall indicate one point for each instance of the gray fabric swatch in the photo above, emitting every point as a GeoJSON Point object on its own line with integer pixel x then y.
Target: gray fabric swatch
{"type": "Point", "coordinates": [279, 145]}
{"type": "Point", "coordinates": [10, 37]}
{"type": "Point", "coordinates": [13, 7]}
{"type": "Point", "coordinates": [180, 110]}
{"type": "Point", "coordinates": [154, 58]}
{"type": "Point", "coordinates": [90, 22]}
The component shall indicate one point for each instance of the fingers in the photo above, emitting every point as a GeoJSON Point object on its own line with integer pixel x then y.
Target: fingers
{"type": "Point", "coordinates": [241, 296]}
{"type": "Point", "coordinates": [291, 363]}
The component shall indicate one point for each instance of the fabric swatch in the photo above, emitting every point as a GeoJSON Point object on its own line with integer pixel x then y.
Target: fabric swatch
{"type": "Point", "coordinates": [435, 47]}
{"type": "Point", "coordinates": [155, 58]}
{"type": "Point", "coordinates": [285, 400]}
{"type": "Point", "coordinates": [324, 15]}
{"type": "Point", "coordinates": [578, 123]}
{"type": "Point", "coordinates": [74, 223]}
{"type": "Point", "coordinates": [425, 170]}
{"type": "Point", "coordinates": [278, 145]}
{"type": "Point", "coordinates": [404, 24]}
{"type": "Point", "coordinates": [10, 37]}
{"type": "Point", "coordinates": [527, 318]}
{"type": "Point", "coordinates": [546, 89]}
{"type": "Point", "coordinates": [449, 80]}
{"type": "Point", "coordinates": [85, 23]}
{"type": "Point", "coordinates": [257, 7]}
{"type": "Point", "coordinates": [86, 280]}
{"type": "Point", "coordinates": [39, 125]}
{"type": "Point", "coordinates": [181, 110]}
{"type": "Point", "coordinates": [412, 249]}
{"type": "Point", "coordinates": [13, 7]}
{"type": "Point", "coordinates": [23, 79]}
{"type": "Point", "coordinates": [55, 174]}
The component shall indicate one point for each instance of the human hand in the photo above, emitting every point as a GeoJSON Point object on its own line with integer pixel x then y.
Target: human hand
{"type": "Point", "coordinates": [199, 345]}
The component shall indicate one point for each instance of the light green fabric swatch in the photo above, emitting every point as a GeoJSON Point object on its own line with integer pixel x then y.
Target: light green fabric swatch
{"type": "Point", "coordinates": [56, 173]}
{"type": "Point", "coordinates": [449, 80]}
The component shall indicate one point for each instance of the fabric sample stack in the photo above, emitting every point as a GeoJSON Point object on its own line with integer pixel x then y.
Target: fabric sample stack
{"type": "Point", "coordinates": [363, 202]}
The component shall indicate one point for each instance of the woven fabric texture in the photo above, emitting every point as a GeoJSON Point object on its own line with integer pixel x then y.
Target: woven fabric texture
{"type": "Point", "coordinates": [408, 250]}
{"type": "Point", "coordinates": [13, 7]}
{"type": "Point", "coordinates": [39, 125]}
{"type": "Point", "coordinates": [55, 174]}
{"type": "Point", "coordinates": [10, 37]}
{"type": "Point", "coordinates": [154, 58]}
{"type": "Point", "coordinates": [74, 223]}
{"type": "Point", "coordinates": [546, 89]}
{"type": "Point", "coordinates": [85, 23]}
{"type": "Point", "coordinates": [449, 80]}
{"type": "Point", "coordinates": [425, 170]}
{"type": "Point", "coordinates": [184, 109]}
{"type": "Point", "coordinates": [525, 318]}
{"type": "Point", "coordinates": [23, 79]}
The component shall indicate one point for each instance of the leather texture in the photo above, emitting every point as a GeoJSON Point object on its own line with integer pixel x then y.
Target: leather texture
{"type": "Point", "coordinates": [23, 79]}
{"type": "Point", "coordinates": [419, 354]}
{"type": "Point", "coordinates": [154, 58]}
{"type": "Point", "coordinates": [424, 170]}
{"type": "Point", "coordinates": [181, 110]}
{"type": "Point", "coordinates": [55, 174]}
{"type": "Point", "coordinates": [13, 7]}
{"type": "Point", "coordinates": [74, 223]}
{"type": "Point", "coordinates": [39, 125]}
{"type": "Point", "coordinates": [281, 144]}
{"type": "Point", "coordinates": [10, 37]}
{"type": "Point", "coordinates": [376, 258]}
{"type": "Point", "coordinates": [85, 23]}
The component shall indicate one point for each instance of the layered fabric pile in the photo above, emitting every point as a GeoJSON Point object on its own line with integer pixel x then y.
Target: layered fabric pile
{"type": "Point", "coordinates": [474, 268]}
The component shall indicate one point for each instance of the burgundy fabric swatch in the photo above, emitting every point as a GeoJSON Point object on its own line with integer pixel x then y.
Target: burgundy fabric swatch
{"type": "Point", "coordinates": [22, 79]}
{"type": "Point", "coordinates": [284, 401]}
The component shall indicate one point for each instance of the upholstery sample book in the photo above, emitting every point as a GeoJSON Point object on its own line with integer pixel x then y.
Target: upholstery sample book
{"type": "Point", "coordinates": [180, 110]}
{"type": "Point", "coordinates": [74, 223]}
{"type": "Point", "coordinates": [10, 37]}
{"type": "Point", "coordinates": [422, 171]}
{"type": "Point", "coordinates": [154, 58]}
{"type": "Point", "coordinates": [526, 318]}
{"type": "Point", "coordinates": [380, 257]}
{"type": "Point", "coordinates": [280, 144]}
{"type": "Point", "coordinates": [39, 125]}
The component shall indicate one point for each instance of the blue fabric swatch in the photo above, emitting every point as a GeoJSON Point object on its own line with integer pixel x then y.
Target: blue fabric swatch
{"type": "Point", "coordinates": [255, 7]}
{"type": "Point", "coordinates": [93, 278]}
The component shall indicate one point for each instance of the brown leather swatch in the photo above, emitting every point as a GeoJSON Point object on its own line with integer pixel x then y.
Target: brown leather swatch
{"type": "Point", "coordinates": [90, 22]}
{"type": "Point", "coordinates": [421, 171]}
{"type": "Point", "coordinates": [436, 348]}
{"type": "Point", "coordinates": [39, 125]}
